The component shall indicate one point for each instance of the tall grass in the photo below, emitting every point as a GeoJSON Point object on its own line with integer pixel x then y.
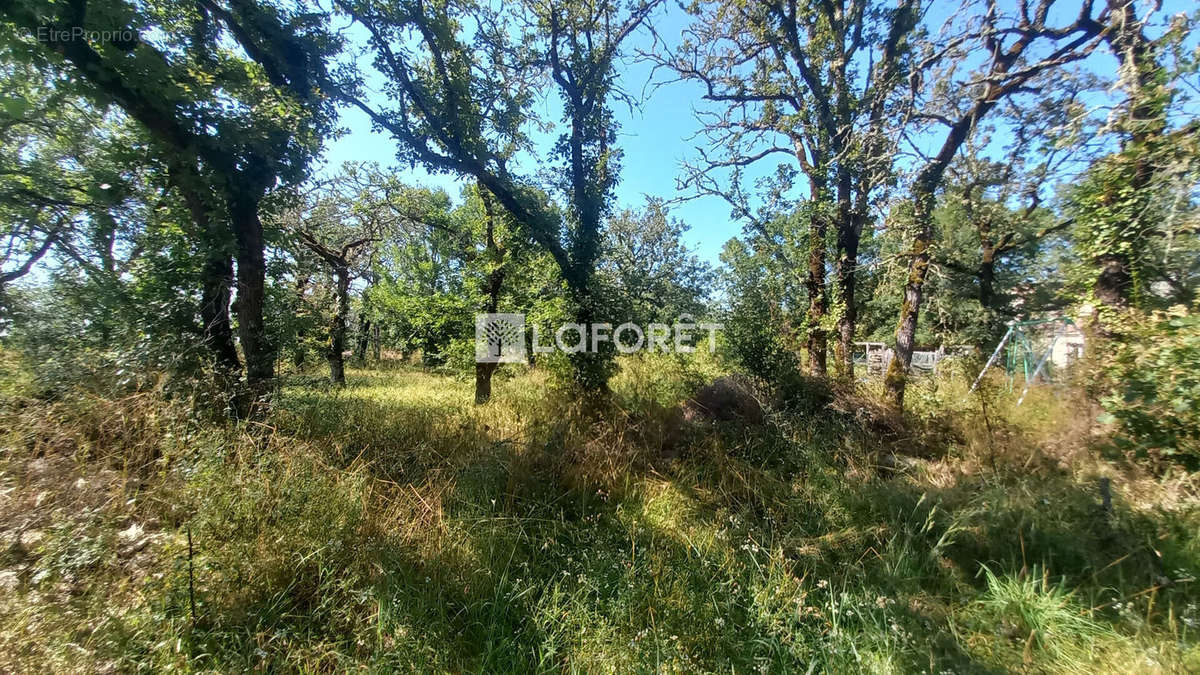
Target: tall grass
{"type": "Point", "coordinates": [393, 525]}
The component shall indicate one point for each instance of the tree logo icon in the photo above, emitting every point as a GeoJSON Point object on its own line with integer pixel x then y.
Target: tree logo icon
{"type": "Point", "coordinates": [499, 338]}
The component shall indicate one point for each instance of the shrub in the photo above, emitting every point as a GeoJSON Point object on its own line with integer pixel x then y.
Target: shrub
{"type": "Point", "coordinates": [1151, 385]}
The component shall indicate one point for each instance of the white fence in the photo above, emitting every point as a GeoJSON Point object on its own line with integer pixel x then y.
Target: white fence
{"type": "Point", "coordinates": [876, 356]}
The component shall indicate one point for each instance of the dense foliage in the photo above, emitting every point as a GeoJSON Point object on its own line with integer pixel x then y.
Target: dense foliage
{"type": "Point", "coordinates": [1150, 386]}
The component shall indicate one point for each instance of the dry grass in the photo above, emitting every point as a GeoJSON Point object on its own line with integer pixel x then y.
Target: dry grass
{"type": "Point", "coordinates": [395, 526]}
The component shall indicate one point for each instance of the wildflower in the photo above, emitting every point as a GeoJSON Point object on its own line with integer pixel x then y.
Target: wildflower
{"type": "Point", "coordinates": [822, 584]}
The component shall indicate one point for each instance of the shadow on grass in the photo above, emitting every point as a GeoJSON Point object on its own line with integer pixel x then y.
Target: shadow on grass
{"type": "Point", "coordinates": [756, 550]}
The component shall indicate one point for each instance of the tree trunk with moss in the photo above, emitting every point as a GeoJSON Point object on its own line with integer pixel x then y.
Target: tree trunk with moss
{"type": "Point", "coordinates": [918, 268]}
{"type": "Point", "coordinates": [1145, 122]}
{"type": "Point", "coordinates": [849, 232]}
{"type": "Point", "coordinates": [818, 343]}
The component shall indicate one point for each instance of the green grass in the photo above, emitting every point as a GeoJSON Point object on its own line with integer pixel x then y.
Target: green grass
{"type": "Point", "coordinates": [391, 525]}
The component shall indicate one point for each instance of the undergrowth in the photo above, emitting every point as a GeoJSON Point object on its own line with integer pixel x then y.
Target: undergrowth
{"type": "Point", "coordinates": [392, 525]}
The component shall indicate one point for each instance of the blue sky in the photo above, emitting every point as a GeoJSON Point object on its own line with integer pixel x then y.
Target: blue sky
{"type": "Point", "coordinates": [655, 137]}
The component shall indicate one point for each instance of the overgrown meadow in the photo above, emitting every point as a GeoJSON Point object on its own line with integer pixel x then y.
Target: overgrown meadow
{"type": "Point", "coordinates": [258, 257]}
{"type": "Point", "coordinates": [391, 525]}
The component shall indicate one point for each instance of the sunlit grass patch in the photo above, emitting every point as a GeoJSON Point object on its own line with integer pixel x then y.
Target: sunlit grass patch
{"type": "Point", "coordinates": [1035, 620]}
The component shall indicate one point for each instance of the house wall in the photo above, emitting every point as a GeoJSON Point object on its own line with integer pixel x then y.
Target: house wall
{"type": "Point", "coordinates": [1068, 347]}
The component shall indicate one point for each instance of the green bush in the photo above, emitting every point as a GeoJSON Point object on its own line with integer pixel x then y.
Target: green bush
{"type": "Point", "coordinates": [1151, 387]}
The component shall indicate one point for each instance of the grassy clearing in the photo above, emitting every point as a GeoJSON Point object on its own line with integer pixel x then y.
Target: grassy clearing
{"type": "Point", "coordinates": [392, 525]}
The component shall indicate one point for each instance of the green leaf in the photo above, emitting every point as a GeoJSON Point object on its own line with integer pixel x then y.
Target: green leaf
{"type": "Point", "coordinates": [15, 107]}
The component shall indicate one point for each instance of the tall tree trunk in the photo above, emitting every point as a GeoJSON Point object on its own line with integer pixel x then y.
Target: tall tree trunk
{"type": "Point", "coordinates": [848, 233]}
{"type": "Point", "coordinates": [923, 195]}
{"type": "Point", "coordinates": [251, 300]}
{"type": "Point", "coordinates": [1000, 82]}
{"type": "Point", "coordinates": [299, 353]}
{"type": "Point", "coordinates": [896, 378]}
{"type": "Point", "coordinates": [216, 285]}
{"type": "Point", "coordinates": [375, 334]}
{"type": "Point", "coordinates": [592, 368]}
{"type": "Point", "coordinates": [215, 294]}
{"type": "Point", "coordinates": [337, 330]}
{"type": "Point", "coordinates": [815, 284]}
{"type": "Point", "coordinates": [491, 291]}
{"type": "Point", "coordinates": [364, 340]}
